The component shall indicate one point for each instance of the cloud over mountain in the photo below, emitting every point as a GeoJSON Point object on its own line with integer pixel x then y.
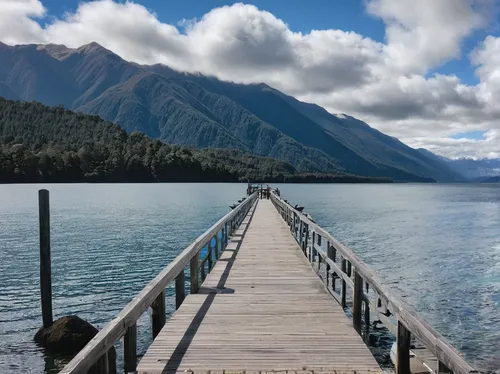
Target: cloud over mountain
{"type": "Point", "coordinates": [390, 84]}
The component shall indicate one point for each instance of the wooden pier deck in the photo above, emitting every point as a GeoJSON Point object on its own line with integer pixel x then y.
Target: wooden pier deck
{"type": "Point", "coordinates": [268, 292]}
{"type": "Point", "coordinates": [262, 308]}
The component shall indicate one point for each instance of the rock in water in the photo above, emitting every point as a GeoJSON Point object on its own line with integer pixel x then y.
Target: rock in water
{"type": "Point", "coordinates": [68, 335]}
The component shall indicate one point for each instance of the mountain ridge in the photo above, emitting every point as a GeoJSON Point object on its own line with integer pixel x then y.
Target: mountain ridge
{"type": "Point", "coordinates": [204, 112]}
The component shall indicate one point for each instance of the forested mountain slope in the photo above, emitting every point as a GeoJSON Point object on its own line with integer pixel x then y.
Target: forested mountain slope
{"type": "Point", "coordinates": [203, 112]}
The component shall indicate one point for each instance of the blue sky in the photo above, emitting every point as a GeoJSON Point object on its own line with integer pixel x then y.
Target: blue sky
{"type": "Point", "coordinates": [426, 71]}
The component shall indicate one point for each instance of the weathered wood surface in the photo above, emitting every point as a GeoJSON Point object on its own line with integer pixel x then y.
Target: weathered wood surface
{"type": "Point", "coordinates": [262, 308]}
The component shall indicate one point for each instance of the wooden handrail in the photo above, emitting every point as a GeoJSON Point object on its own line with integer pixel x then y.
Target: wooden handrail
{"type": "Point", "coordinates": [408, 321]}
{"type": "Point", "coordinates": [125, 321]}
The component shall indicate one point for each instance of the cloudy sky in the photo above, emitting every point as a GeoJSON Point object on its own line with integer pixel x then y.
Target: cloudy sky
{"type": "Point", "coordinates": [426, 71]}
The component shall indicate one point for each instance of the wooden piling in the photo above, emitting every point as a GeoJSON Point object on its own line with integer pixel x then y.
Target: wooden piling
{"type": "Point", "coordinates": [45, 265]}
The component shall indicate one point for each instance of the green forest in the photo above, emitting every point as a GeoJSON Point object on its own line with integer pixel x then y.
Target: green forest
{"type": "Point", "coordinates": [55, 145]}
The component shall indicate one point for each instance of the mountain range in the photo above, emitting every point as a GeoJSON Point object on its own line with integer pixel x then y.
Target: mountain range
{"type": "Point", "coordinates": [204, 112]}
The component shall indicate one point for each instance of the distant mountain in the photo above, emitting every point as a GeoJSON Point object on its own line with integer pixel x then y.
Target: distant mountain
{"type": "Point", "coordinates": [472, 170]}
{"type": "Point", "coordinates": [495, 179]}
{"type": "Point", "coordinates": [199, 111]}
{"type": "Point", "coordinates": [476, 169]}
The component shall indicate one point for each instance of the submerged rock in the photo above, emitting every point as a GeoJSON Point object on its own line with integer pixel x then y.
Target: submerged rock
{"type": "Point", "coordinates": [68, 335]}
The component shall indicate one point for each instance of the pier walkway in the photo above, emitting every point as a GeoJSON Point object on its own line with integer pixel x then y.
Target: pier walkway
{"type": "Point", "coordinates": [269, 291]}
{"type": "Point", "coordinates": [262, 308]}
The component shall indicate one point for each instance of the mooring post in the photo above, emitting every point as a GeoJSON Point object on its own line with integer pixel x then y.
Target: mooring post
{"type": "Point", "coordinates": [45, 266]}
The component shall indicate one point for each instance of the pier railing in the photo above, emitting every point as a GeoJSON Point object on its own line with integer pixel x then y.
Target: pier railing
{"type": "Point", "coordinates": [341, 264]}
{"type": "Point", "coordinates": [95, 353]}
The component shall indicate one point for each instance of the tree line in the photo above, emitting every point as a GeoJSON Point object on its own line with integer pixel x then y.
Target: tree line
{"type": "Point", "coordinates": [54, 145]}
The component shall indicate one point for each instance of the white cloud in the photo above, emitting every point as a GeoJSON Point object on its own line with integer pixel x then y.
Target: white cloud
{"type": "Point", "coordinates": [16, 23]}
{"type": "Point", "coordinates": [382, 83]}
{"type": "Point", "coordinates": [425, 33]}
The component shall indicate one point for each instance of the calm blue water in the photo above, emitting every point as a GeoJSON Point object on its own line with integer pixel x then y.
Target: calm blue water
{"type": "Point", "coordinates": [437, 245]}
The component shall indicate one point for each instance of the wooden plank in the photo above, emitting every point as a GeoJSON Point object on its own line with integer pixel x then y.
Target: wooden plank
{"type": "Point", "coordinates": [262, 309]}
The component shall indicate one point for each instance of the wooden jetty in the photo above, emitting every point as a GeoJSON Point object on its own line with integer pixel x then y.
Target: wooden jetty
{"type": "Point", "coordinates": [269, 295]}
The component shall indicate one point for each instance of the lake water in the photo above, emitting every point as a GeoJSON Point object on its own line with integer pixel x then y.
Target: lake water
{"type": "Point", "coordinates": [438, 246]}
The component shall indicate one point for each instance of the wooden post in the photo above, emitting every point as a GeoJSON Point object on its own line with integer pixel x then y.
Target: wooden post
{"type": "Point", "coordinates": [344, 285]}
{"type": "Point", "coordinates": [130, 349]}
{"type": "Point", "coordinates": [45, 266]}
{"type": "Point", "coordinates": [301, 229]}
{"type": "Point", "coordinates": [102, 364]}
{"type": "Point", "coordinates": [357, 299]}
{"type": "Point", "coordinates": [403, 350]}
{"type": "Point", "coordinates": [217, 251]}
{"type": "Point", "coordinates": [210, 256]}
{"type": "Point", "coordinates": [180, 289]}
{"type": "Point", "coordinates": [311, 248]}
{"type": "Point", "coordinates": [367, 319]}
{"type": "Point", "coordinates": [203, 273]}
{"type": "Point", "coordinates": [193, 272]}
{"type": "Point", "coordinates": [332, 254]}
{"type": "Point", "coordinates": [223, 239]}
{"type": "Point", "coordinates": [349, 268]}
{"type": "Point", "coordinates": [318, 236]}
{"type": "Point", "coordinates": [443, 369]}
{"type": "Point", "coordinates": [329, 255]}
{"type": "Point", "coordinates": [158, 314]}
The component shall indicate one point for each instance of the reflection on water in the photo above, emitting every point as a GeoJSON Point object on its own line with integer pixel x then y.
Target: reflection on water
{"type": "Point", "coordinates": [437, 245]}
